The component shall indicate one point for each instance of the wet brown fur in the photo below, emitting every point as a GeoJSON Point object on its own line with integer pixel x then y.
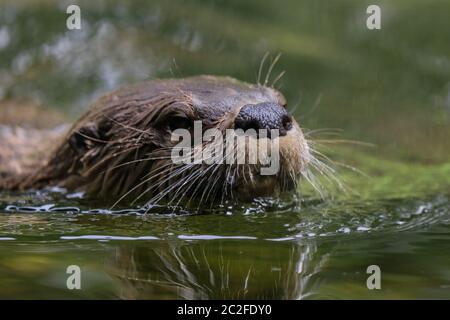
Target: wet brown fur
{"type": "Point", "coordinates": [121, 145]}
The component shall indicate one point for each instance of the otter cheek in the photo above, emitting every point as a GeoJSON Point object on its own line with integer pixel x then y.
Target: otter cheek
{"type": "Point", "coordinates": [294, 151]}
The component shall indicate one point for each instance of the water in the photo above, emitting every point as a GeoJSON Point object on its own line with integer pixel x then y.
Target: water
{"type": "Point", "coordinates": [321, 250]}
{"type": "Point", "coordinates": [390, 88]}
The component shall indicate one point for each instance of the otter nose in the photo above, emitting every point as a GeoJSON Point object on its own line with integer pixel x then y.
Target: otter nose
{"type": "Point", "coordinates": [266, 115]}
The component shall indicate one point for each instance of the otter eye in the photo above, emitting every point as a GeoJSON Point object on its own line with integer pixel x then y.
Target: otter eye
{"type": "Point", "coordinates": [179, 123]}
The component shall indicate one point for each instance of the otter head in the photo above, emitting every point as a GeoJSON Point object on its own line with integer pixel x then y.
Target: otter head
{"type": "Point", "coordinates": [202, 138]}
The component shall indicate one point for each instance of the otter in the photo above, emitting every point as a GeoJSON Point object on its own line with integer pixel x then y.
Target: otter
{"type": "Point", "coordinates": [120, 148]}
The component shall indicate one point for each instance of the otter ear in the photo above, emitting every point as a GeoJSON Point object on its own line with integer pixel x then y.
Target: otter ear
{"type": "Point", "coordinates": [84, 138]}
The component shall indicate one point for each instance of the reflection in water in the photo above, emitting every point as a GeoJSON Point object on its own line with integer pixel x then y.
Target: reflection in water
{"type": "Point", "coordinates": [320, 251]}
{"type": "Point", "coordinates": [212, 270]}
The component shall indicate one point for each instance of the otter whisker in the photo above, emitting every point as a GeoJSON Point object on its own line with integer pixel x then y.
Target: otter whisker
{"type": "Point", "coordinates": [313, 182]}
{"type": "Point", "coordinates": [233, 180]}
{"type": "Point", "coordinates": [199, 184]}
{"type": "Point", "coordinates": [345, 141]}
{"type": "Point", "coordinates": [227, 177]}
{"type": "Point", "coordinates": [314, 107]}
{"type": "Point", "coordinates": [134, 161]}
{"type": "Point", "coordinates": [261, 65]}
{"type": "Point", "coordinates": [216, 168]}
{"type": "Point", "coordinates": [89, 137]}
{"type": "Point", "coordinates": [336, 131]}
{"type": "Point", "coordinates": [337, 163]}
{"type": "Point", "coordinates": [129, 191]}
{"type": "Point", "coordinates": [272, 65]}
{"type": "Point", "coordinates": [168, 190]}
{"type": "Point", "coordinates": [177, 172]}
{"type": "Point", "coordinates": [292, 177]}
{"type": "Point", "coordinates": [346, 189]}
{"type": "Point", "coordinates": [164, 192]}
{"type": "Point", "coordinates": [352, 168]}
{"type": "Point", "coordinates": [137, 186]}
{"type": "Point", "coordinates": [244, 176]}
{"type": "Point", "coordinates": [192, 178]}
{"type": "Point", "coordinates": [322, 174]}
{"type": "Point", "coordinates": [294, 107]}
{"type": "Point", "coordinates": [164, 166]}
{"type": "Point", "coordinates": [113, 155]}
{"type": "Point", "coordinates": [213, 185]}
{"type": "Point", "coordinates": [203, 176]}
{"type": "Point", "coordinates": [123, 125]}
{"type": "Point", "coordinates": [327, 171]}
{"type": "Point", "coordinates": [277, 78]}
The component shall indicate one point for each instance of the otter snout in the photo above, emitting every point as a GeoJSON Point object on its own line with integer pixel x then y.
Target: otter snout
{"type": "Point", "coordinates": [265, 115]}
